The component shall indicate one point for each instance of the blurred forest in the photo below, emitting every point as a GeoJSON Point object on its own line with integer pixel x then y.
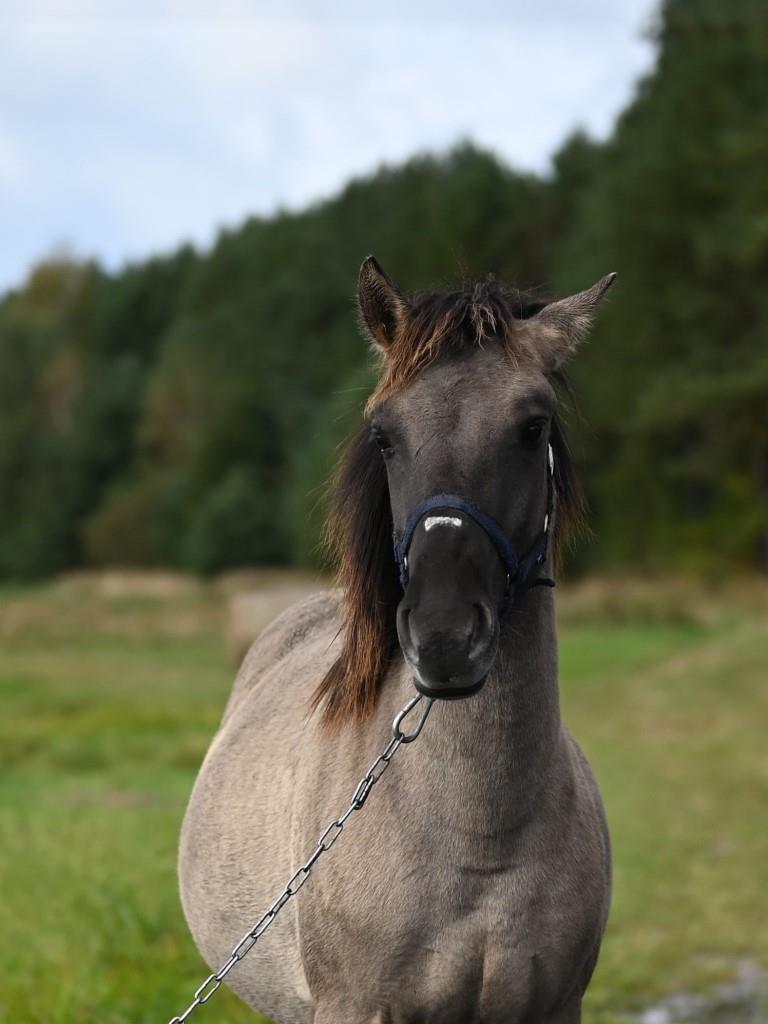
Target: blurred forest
{"type": "Point", "coordinates": [186, 411]}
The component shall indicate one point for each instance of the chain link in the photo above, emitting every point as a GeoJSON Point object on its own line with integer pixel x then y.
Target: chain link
{"type": "Point", "coordinates": [213, 982]}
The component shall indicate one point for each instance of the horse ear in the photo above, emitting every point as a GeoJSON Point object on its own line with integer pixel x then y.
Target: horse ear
{"type": "Point", "coordinates": [563, 324]}
{"type": "Point", "coordinates": [384, 312]}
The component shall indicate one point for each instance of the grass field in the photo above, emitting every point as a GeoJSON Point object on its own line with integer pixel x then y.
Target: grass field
{"type": "Point", "coordinates": [109, 701]}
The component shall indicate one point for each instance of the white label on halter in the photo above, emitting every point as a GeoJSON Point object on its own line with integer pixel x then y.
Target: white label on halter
{"type": "Point", "coordinates": [431, 521]}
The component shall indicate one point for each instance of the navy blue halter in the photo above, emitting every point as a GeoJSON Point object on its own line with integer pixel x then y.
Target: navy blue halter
{"type": "Point", "coordinates": [520, 568]}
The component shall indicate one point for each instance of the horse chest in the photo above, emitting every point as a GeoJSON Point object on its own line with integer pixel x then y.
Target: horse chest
{"type": "Point", "coordinates": [474, 972]}
{"type": "Point", "coordinates": [459, 947]}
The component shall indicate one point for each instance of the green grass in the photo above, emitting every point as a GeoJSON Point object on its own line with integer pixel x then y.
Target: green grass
{"type": "Point", "coordinates": [107, 708]}
{"type": "Point", "coordinates": [675, 724]}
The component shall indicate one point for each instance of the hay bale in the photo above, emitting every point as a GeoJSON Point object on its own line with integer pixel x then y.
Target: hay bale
{"type": "Point", "coordinates": [250, 612]}
{"type": "Point", "coordinates": [118, 584]}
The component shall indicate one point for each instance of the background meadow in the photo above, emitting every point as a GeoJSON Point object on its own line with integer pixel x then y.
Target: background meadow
{"type": "Point", "coordinates": [112, 686]}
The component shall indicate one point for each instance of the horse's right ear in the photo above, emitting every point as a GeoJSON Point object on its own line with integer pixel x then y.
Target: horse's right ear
{"type": "Point", "coordinates": [384, 312]}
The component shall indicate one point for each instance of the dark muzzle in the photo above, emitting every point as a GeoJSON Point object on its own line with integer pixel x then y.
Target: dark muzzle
{"type": "Point", "coordinates": [521, 574]}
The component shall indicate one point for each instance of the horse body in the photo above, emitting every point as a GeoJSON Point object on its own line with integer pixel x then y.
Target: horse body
{"type": "Point", "coordinates": [474, 885]}
{"type": "Point", "coordinates": [473, 888]}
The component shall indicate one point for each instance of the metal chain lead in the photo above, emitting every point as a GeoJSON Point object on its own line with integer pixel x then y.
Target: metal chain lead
{"type": "Point", "coordinates": [213, 982]}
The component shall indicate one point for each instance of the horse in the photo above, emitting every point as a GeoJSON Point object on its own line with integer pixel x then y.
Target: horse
{"type": "Point", "coordinates": [475, 886]}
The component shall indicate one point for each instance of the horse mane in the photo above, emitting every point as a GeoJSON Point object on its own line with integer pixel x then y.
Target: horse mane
{"type": "Point", "coordinates": [359, 528]}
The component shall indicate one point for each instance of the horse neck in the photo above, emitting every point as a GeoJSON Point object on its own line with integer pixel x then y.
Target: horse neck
{"type": "Point", "coordinates": [496, 751]}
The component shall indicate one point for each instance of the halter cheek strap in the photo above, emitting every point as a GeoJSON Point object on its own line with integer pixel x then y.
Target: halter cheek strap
{"type": "Point", "coordinates": [520, 568]}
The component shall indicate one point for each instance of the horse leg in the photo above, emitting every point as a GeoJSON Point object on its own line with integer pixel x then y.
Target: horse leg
{"type": "Point", "coordinates": [346, 1014]}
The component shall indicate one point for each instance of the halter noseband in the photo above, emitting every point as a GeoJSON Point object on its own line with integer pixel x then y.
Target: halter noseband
{"type": "Point", "coordinates": [520, 568]}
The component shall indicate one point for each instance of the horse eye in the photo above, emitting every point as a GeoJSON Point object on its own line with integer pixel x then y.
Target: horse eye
{"type": "Point", "coordinates": [532, 432]}
{"type": "Point", "coordinates": [382, 441]}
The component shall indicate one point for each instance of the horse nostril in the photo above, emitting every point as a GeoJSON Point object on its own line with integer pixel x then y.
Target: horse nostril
{"type": "Point", "coordinates": [407, 634]}
{"type": "Point", "coordinates": [482, 630]}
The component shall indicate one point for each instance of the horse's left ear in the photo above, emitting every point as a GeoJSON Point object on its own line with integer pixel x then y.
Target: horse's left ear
{"type": "Point", "coordinates": [563, 324]}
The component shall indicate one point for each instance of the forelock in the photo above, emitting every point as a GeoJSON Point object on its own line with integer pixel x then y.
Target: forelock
{"type": "Point", "coordinates": [445, 322]}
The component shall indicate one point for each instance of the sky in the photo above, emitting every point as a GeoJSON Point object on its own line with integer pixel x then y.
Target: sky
{"type": "Point", "coordinates": [129, 128]}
